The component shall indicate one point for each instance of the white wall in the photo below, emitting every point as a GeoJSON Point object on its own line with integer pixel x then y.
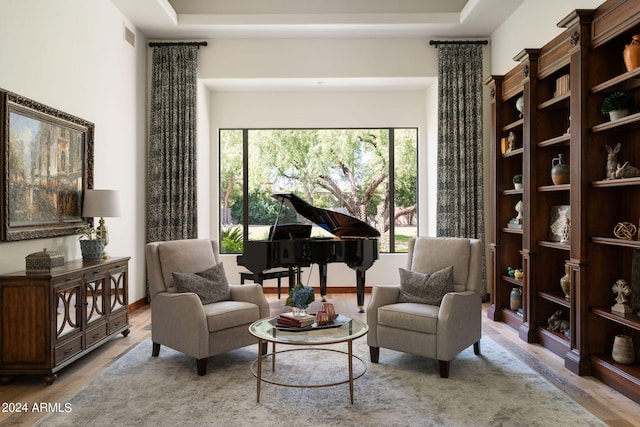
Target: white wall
{"type": "Point", "coordinates": [70, 55]}
{"type": "Point", "coordinates": [317, 58]}
{"type": "Point", "coordinates": [531, 26]}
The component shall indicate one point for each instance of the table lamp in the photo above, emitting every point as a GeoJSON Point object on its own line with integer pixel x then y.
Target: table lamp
{"type": "Point", "coordinates": [101, 203]}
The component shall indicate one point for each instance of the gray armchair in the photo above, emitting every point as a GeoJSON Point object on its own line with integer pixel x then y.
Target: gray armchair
{"type": "Point", "coordinates": [180, 320]}
{"type": "Point", "coordinates": [437, 332]}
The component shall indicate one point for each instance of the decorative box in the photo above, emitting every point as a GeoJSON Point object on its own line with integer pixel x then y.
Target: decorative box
{"type": "Point", "coordinates": [43, 262]}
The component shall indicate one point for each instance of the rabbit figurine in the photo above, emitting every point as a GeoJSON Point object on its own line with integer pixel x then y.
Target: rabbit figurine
{"type": "Point", "coordinates": [556, 323]}
{"type": "Point", "coordinates": [626, 171]}
{"type": "Point", "coordinates": [612, 161]}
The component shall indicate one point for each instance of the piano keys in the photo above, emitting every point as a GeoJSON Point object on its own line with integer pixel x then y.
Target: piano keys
{"type": "Point", "coordinates": [290, 245]}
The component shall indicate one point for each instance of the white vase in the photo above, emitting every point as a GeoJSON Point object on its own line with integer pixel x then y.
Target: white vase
{"type": "Point", "coordinates": [618, 114]}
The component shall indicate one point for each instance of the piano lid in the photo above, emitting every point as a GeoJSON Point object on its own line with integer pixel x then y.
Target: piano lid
{"type": "Point", "coordinates": [336, 223]}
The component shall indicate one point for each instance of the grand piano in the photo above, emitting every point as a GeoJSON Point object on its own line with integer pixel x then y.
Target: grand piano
{"type": "Point", "coordinates": [290, 245]}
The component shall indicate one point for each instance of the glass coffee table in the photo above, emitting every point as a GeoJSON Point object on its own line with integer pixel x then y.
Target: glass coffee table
{"type": "Point", "coordinates": [343, 330]}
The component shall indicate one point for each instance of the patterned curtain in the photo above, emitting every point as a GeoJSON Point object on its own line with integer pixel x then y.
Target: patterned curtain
{"type": "Point", "coordinates": [171, 203]}
{"type": "Point", "coordinates": [460, 201]}
{"type": "Point", "coordinates": [460, 204]}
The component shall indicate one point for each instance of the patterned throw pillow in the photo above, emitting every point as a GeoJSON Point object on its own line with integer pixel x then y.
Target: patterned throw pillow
{"type": "Point", "coordinates": [425, 288]}
{"type": "Point", "coordinates": [210, 285]}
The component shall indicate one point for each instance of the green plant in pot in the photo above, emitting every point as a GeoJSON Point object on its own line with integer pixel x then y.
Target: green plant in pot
{"type": "Point", "coordinates": [618, 105]}
{"type": "Point", "coordinates": [517, 181]}
{"type": "Point", "coordinates": [90, 245]}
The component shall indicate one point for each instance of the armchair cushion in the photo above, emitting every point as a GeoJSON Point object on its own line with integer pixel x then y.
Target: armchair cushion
{"type": "Point", "coordinates": [425, 288]}
{"type": "Point", "coordinates": [228, 314]}
{"type": "Point", "coordinates": [410, 316]}
{"type": "Point", "coordinates": [435, 253]}
{"type": "Point", "coordinates": [210, 285]}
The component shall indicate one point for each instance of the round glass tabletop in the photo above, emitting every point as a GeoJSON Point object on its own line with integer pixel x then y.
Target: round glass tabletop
{"type": "Point", "coordinates": [343, 329]}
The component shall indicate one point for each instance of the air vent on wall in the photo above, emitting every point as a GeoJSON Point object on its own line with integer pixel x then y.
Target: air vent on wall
{"type": "Point", "coordinates": [129, 36]}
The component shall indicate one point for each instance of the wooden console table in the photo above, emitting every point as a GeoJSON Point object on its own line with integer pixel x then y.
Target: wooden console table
{"type": "Point", "coordinates": [49, 320]}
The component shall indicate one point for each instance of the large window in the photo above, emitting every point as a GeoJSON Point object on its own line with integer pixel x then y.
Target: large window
{"type": "Point", "coordinates": [370, 174]}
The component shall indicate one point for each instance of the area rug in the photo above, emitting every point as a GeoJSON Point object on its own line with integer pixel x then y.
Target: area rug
{"type": "Point", "coordinates": [493, 389]}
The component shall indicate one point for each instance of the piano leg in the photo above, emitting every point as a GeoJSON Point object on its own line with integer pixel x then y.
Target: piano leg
{"type": "Point", "coordinates": [360, 276]}
{"type": "Point", "coordinates": [322, 269]}
{"type": "Point", "coordinates": [293, 275]}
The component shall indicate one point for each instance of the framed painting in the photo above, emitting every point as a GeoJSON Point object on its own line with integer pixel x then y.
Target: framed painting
{"type": "Point", "coordinates": [47, 163]}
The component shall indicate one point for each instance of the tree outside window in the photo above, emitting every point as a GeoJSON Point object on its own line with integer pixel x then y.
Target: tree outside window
{"type": "Point", "coordinates": [370, 174]}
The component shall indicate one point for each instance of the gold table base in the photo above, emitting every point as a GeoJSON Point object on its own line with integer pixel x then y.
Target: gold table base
{"type": "Point", "coordinates": [258, 373]}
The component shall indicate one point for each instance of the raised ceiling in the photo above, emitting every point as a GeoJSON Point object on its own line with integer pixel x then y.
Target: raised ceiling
{"type": "Point", "coordinates": [196, 19]}
{"type": "Point", "coordinates": [214, 19]}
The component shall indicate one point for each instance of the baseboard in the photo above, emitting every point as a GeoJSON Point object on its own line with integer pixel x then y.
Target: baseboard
{"type": "Point", "coordinates": [271, 290]}
{"type": "Point", "coordinates": [137, 304]}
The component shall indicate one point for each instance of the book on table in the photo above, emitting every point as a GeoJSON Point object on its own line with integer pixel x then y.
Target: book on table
{"type": "Point", "coordinates": [288, 319]}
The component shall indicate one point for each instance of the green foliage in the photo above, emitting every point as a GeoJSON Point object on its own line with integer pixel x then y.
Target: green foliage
{"type": "Point", "coordinates": [517, 179]}
{"type": "Point", "coordinates": [406, 167]}
{"type": "Point", "coordinates": [618, 101]}
{"type": "Point", "coordinates": [344, 169]}
{"type": "Point", "coordinates": [232, 239]}
{"type": "Point", "coordinates": [87, 233]}
{"type": "Point", "coordinates": [263, 209]}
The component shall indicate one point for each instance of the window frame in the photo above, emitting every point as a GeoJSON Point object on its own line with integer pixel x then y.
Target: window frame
{"type": "Point", "coordinates": [391, 174]}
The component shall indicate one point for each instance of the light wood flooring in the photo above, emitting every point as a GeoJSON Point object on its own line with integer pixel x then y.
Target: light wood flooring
{"type": "Point", "coordinates": [610, 406]}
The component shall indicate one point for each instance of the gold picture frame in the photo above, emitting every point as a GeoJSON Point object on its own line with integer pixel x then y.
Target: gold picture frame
{"type": "Point", "coordinates": [47, 160]}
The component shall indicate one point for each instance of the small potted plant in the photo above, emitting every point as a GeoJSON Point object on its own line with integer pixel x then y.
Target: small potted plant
{"type": "Point", "coordinates": [517, 182]}
{"type": "Point", "coordinates": [299, 298]}
{"type": "Point", "coordinates": [618, 105]}
{"type": "Point", "coordinates": [91, 246]}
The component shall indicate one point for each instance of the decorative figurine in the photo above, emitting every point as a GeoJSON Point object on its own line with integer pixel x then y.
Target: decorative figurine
{"type": "Point", "coordinates": [624, 230]}
{"type": "Point", "coordinates": [622, 289]}
{"type": "Point", "coordinates": [556, 323]}
{"type": "Point", "coordinates": [565, 282]}
{"type": "Point", "coordinates": [519, 208]}
{"type": "Point", "coordinates": [565, 236]}
{"type": "Point", "coordinates": [626, 171]}
{"type": "Point", "coordinates": [520, 106]}
{"type": "Point", "coordinates": [560, 225]}
{"type": "Point", "coordinates": [512, 142]}
{"type": "Point", "coordinates": [612, 161]}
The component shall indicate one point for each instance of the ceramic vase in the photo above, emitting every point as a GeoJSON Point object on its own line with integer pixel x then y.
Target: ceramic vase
{"type": "Point", "coordinates": [565, 282]}
{"type": "Point", "coordinates": [623, 351]}
{"type": "Point", "coordinates": [631, 54]}
{"type": "Point", "coordinates": [559, 170]}
{"type": "Point", "coordinates": [515, 299]}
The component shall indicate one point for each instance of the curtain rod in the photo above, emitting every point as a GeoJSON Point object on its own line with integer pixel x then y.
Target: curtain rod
{"type": "Point", "coordinates": [158, 44]}
{"type": "Point", "coordinates": [438, 42]}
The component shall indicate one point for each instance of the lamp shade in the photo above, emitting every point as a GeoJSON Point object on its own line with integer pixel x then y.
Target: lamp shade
{"type": "Point", "coordinates": [101, 203]}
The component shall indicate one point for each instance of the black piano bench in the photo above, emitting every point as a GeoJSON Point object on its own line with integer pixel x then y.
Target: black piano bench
{"type": "Point", "coordinates": [291, 273]}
